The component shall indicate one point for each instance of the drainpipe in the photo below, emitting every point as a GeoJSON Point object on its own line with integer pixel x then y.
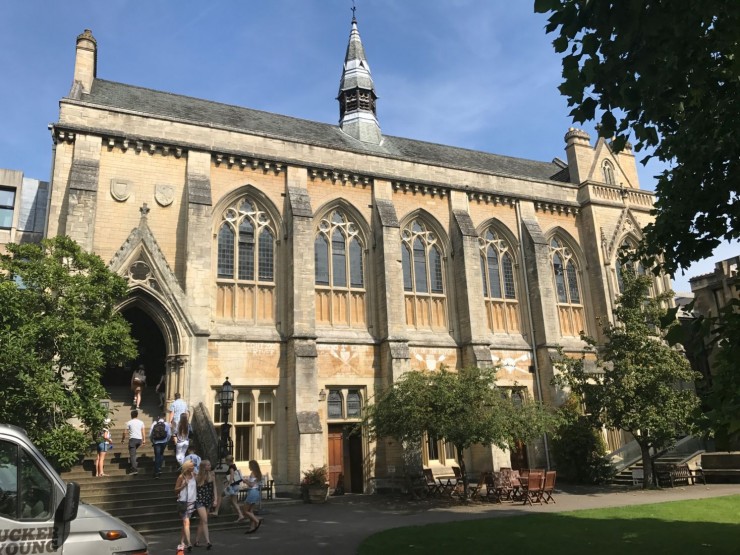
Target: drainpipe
{"type": "Point", "coordinates": [535, 364]}
{"type": "Point", "coordinates": [51, 128]}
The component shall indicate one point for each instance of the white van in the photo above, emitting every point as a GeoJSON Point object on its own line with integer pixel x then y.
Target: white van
{"type": "Point", "coordinates": [39, 513]}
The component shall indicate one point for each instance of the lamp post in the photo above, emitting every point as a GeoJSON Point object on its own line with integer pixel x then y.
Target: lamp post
{"type": "Point", "coordinates": [225, 400]}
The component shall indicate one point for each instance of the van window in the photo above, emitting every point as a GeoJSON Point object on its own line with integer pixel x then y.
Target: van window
{"type": "Point", "coordinates": [32, 500]}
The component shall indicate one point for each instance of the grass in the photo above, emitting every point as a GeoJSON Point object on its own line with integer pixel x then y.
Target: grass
{"type": "Point", "coordinates": [710, 526]}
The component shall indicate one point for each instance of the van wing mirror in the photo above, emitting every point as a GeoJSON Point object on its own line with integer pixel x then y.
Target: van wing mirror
{"type": "Point", "coordinates": [71, 502]}
{"type": "Point", "coordinates": [66, 512]}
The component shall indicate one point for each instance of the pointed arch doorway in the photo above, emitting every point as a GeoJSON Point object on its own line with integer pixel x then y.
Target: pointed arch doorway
{"type": "Point", "coordinates": [152, 351]}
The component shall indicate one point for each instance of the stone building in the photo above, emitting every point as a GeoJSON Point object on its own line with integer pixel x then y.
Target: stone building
{"type": "Point", "coordinates": [312, 263]}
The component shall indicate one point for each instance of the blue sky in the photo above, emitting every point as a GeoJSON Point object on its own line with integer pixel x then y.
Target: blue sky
{"type": "Point", "coordinates": [479, 74]}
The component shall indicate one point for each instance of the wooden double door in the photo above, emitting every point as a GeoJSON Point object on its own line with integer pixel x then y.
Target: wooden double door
{"type": "Point", "coordinates": [345, 459]}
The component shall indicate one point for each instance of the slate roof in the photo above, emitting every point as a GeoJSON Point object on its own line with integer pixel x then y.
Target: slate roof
{"type": "Point", "coordinates": [204, 112]}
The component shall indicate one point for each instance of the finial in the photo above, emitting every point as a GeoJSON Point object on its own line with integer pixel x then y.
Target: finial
{"type": "Point", "coordinates": [354, 8]}
{"type": "Point", "coordinates": [144, 210]}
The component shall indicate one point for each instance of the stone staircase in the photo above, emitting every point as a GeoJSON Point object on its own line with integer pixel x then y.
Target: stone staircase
{"type": "Point", "coordinates": [143, 502]}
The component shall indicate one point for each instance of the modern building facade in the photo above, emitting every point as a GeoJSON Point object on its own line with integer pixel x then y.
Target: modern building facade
{"type": "Point", "coordinates": [23, 205]}
{"type": "Point", "coordinates": [313, 264]}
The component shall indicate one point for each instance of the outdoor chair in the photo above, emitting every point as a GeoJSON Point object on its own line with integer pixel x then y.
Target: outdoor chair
{"type": "Point", "coordinates": [549, 487]}
{"type": "Point", "coordinates": [477, 487]}
{"type": "Point", "coordinates": [492, 490]}
{"type": "Point", "coordinates": [433, 487]}
{"type": "Point", "coordinates": [533, 488]}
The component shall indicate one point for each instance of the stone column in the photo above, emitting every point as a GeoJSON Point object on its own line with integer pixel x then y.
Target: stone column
{"type": "Point", "coordinates": [305, 441]}
{"type": "Point", "coordinates": [82, 191]}
{"type": "Point", "coordinates": [467, 284]}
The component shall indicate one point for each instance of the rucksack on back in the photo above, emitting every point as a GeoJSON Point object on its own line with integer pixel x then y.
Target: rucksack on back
{"type": "Point", "coordinates": [159, 431]}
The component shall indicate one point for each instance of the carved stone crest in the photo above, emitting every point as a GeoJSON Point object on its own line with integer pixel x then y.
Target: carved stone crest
{"type": "Point", "coordinates": [120, 189]}
{"type": "Point", "coordinates": [164, 194]}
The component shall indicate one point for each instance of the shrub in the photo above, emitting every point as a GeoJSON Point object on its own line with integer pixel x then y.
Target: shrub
{"type": "Point", "coordinates": [579, 449]}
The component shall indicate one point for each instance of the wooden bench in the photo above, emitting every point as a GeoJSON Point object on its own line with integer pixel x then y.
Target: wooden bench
{"type": "Point", "coordinates": [672, 474]}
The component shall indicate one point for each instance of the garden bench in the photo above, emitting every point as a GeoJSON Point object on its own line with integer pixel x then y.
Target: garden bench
{"type": "Point", "coordinates": [678, 474]}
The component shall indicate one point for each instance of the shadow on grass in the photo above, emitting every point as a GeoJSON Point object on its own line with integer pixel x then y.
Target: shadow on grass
{"type": "Point", "coordinates": [705, 526]}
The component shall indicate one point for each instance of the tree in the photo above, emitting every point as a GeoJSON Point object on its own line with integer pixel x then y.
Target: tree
{"type": "Point", "coordinates": [641, 384]}
{"type": "Point", "coordinates": [58, 329]}
{"type": "Point", "coordinates": [668, 72]}
{"type": "Point", "coordinates": [464, 408]}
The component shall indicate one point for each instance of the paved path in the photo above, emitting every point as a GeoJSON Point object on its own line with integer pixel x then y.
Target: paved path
{"type": "Point", "coordinates": [339, 526]}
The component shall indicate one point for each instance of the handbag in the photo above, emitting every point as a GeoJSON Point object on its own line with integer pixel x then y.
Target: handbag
{"type": "Point", "coordinates": [182, 507]}
{"type": "Point", "coordinates": [109, 446]}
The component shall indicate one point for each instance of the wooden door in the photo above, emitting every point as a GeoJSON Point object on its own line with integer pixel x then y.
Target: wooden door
{"type": "Point", "coordinates": [519, 457]}
{"type": "Point", "coordinates": [336, 459]}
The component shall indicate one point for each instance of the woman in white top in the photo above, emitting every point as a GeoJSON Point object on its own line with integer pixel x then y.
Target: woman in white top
{"type": "Point", "coordinates": [187, 492]}
{"type": "Point", "coordinates": [254, 481]}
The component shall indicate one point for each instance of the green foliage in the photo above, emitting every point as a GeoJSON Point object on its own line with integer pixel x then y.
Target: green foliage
{"type": "Point", "coordinates": [641, 384]}
{"type": "Point", "coordinates": [670, 74]}
{"type": "Point", "coordinates": [58, 328]}
{"type": "Point", "coordinates": [578, 447]}
{"type": "Point", "coordinates": [464, 408]}
{"type": "Point", "coordinates": [316, 475]}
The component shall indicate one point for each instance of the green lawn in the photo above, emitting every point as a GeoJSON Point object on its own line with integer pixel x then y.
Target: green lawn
{"type": "Point", "coordinates": [710, 526]}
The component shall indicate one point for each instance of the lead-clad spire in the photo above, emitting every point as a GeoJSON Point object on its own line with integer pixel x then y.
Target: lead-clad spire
{"type": "Point", "coordinates": [357, 96]}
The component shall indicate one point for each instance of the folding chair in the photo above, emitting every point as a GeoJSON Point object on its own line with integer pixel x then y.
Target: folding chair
{"type": "Point", "coordinates": [549, 486]}
{"type": "Point", "coordinates": [533, 491]}
{"type": "Point", "coordinates": [433, 487]}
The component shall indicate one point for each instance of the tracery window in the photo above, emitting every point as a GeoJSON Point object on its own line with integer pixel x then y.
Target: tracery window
{"type": "Point", "coordinates": [423, 277]}
{"type": "Point", "coordinates": [608, 169]}
{"type": "Point", "coordinates": [339, 272]}
{"type": "Point", "coordinates": [567, 288]}
{"type": "Point", "coordinates": [344, 404]}
{"type": "Point", "coordinates": [245, 274]}
{"type": "Point", "coordinates": [499, 284]}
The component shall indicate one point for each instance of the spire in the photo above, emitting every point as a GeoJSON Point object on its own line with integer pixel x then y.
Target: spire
{"type": "Point", "coordinates": [357, 96]}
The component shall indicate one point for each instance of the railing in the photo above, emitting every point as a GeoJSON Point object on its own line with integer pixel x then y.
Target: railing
{"type": "Point", "coordinates": [685, 449]}
{"type": "Point", "coordinates": [625, 456]}
{"type": "Point", "coordinates": [205, 433]}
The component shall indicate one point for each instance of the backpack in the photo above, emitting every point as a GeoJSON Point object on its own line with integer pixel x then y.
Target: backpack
{"type": "Point", "coordinates": [159, 431]}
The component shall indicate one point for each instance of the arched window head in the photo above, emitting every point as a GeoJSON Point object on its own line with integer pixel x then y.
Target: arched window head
{"type": "Point", "coordinates": [567, 288]}
{"type": "Point", "coordinates": [499, 284]}
{"type": "Point", "coordinates": [498, 267]}
{"type": "Point", "coordinates": [422, 259]}
{"type": "Point", "coordinates": [339, 253]}
{"type": "Point", "coordinates": [245, 265]}
{"type": "Point", "coordinates": [339, 256]}
{"type": "Point", "coordinates": [246, 244]}
{"type": "Point", "coordinates": [608, 169]}
{"type": "Point", "coordinates": [422, 262]}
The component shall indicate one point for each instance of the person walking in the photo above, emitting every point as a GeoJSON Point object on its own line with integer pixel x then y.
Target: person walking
{"type": "Point", "coordinates": [138, 382]}
{"type": "Point", "coordinates": [186, 490]}
{"type": "Point", "coordinates": [160, 389]}
{"type": "Point", "coordinates": [104, 445]}
{"type": "Point", "coordinates": [231, 489]}
{"type": "Point", "coordinates": [135, 431]}
{"type": "Point", "coordinates": [182, 437]}
{"type": "Point", "coordinates": [177, 407]}
{"type": "Point", "coordinates": [159, 434]}
{"type": "Point", "coordinates": [205, 500]}
{"type": "Point", "coordinates": [254, 482]}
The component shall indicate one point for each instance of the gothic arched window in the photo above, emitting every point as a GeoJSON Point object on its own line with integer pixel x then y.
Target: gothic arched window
{"type": "Point", "coordinates": [423, 277]}
{"type": "Point", "coordinates": [608, 169]}
{"type": "Point", "coordinates": [567, 288]}
{"type": "Point", "coordinates": [245, 263]}
{"type": "Point", "coordinates": [339, 271]}
{"type": "Point", "coordinates": [499, 284]}
{"type": "Point", "coordinates": [629, 246]}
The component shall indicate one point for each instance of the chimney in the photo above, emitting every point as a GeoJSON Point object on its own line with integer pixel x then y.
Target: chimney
{"type": "Point", "coordinates": [85, 61]}
{"type": "Point", "coordinates": [580, 154]}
